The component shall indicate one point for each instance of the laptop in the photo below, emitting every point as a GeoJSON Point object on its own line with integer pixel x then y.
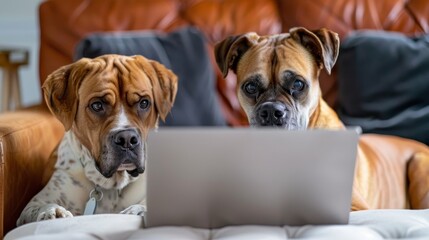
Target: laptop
{"type": "Point", "coordinates": [216, 177]}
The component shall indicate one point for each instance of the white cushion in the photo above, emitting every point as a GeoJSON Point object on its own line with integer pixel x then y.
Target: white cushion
{"type": "Point", "coordinates": [367, 225]}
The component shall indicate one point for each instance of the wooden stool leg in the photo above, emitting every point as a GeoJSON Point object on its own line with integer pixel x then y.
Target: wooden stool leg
{"type": "Point", "coordinates": [16, 93]}
{"type": "Point", "coordinates": [6, 89]}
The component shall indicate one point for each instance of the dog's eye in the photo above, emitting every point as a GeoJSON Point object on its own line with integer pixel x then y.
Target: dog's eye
{"type": "Point", "coordinates": [144, 104]}
{"type": "Point", "coordinates": [298, 85]}
{"type": "Point", "coordinates": [97, 106]}
{"type": "Point", "coordinates": [251, 88]}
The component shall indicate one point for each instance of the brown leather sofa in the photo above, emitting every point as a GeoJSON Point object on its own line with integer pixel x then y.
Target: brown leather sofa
{"type": "Point", "coordinates": [28, 136]}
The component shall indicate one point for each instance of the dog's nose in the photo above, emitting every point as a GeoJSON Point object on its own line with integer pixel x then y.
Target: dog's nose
{"type": "Point", "coordinates": [127, 139]}
{"type": "Point", "coordinates": [272, 114]}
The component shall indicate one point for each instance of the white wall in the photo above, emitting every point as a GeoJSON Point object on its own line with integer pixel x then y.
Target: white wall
{"type": "Point", "coordinates": [19, 28]}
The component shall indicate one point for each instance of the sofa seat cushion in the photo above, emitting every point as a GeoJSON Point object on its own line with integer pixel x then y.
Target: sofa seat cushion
{"type": "Point", "coordinates": [368, 225]}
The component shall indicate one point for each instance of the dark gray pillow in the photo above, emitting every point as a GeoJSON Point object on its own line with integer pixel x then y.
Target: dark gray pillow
{"type": "Point", "coordinates": [384, 83]}
{"type": "Point", "coordinates": [184, 52]}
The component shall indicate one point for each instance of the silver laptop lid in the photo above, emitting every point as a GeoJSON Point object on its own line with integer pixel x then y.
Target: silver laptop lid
{"type": "Point", "coordinates": [210, 178]}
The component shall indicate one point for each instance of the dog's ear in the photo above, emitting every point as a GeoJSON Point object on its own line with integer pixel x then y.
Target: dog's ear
{"type": "Point", "coordinates": [60, 91]}
{"type": "Point", "coordinates": [323, 44]}
{"type": "Point", "coordinates": [164, 88]}
{"type": "Point", "coordinates": [229, 51]}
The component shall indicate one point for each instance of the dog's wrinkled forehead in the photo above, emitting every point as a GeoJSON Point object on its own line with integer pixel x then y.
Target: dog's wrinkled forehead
{"type": "Point", "coordinates": [319, 47]}
{"type": "Point", "coordinates": [274, 56]}
{"type": "Point", "coordinates": [118, 79]}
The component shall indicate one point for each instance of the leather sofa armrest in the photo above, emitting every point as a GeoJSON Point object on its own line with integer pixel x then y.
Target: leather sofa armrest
{"type": "Point", "coordinates": [27, 138]}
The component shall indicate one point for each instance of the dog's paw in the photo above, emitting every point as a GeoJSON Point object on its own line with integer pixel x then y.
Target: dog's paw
{"type": "Point", "coordinates": [52, 211]}
{"type": "Point", "coordinates": [136, 209]}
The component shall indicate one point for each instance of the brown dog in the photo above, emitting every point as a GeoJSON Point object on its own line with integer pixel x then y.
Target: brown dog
{"type": "Point", "coordinates": [278, 85]}
{"type": "Point", "coordinates": [107, 106]}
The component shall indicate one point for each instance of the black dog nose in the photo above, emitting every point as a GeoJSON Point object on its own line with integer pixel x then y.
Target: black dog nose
{"type": "Point", "coordinates": [271, 114]}
{"type": "Point", "coordinates": [127, 139]}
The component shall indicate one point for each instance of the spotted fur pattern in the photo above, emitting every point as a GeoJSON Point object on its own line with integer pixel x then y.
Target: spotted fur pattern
{"type": "Point", "coordinates": [75, 176]}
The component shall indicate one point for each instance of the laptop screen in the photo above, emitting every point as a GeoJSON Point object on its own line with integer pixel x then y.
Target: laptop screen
{"type": "Point", "coordinates": [215, 177]}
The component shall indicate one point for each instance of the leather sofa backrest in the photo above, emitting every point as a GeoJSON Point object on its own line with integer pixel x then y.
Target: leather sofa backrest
{"type": "Point", "coordinates": [64, 23]}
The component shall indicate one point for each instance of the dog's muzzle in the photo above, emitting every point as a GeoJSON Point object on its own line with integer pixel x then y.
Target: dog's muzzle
{"type": "Point", "coordinates": [128, 140]}
{"type": "Point", "coordinates": [124, 152]}
{"type": "Point", "coordinates": [271, 114]}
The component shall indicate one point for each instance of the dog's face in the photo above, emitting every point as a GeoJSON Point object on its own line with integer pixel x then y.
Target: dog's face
{"type": "Point", "coordinates": [110, 103]}
{"type": "Point", "coordinates": [278, 74]}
